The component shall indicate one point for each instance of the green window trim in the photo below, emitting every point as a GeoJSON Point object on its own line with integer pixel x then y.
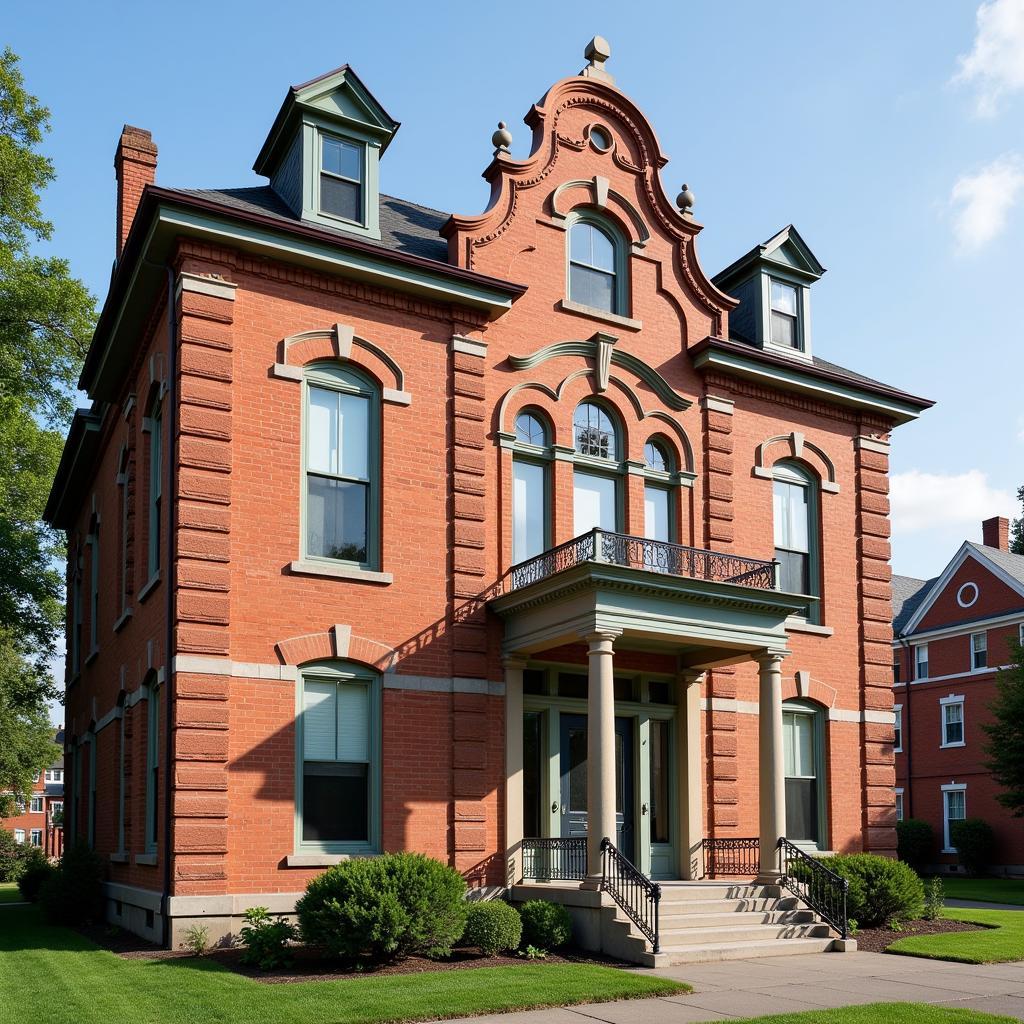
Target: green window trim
{"type": "Point", "coordinates": [342, 672]}
{"type": "Point", "coordinates": [76, 617]}
{"type": "Point", "coordinates": [794, 474]}
{"type": "Point", "coordinates": [612, 467]}
{"type": "Point", "coordinates": [92, 791]}
{"type": "Point", "coordinates": [323, 135]}
{"type": "Point", "coordinates": [152, 765]}
{"type": "Point", "coordinates": [818, 716]}
{"type": "Point", "coordinates": [93, 541]}
{"type": "Point", "coordinates": [345, 380]}
{"type": "Point", "coordinates": [154, 426]}
{"type": "Point", "coordinates": [621, 248]}
{"type": "Point", "coordinates": [122, 494]}
{"type": "Point", "coordinates": [531, 447]}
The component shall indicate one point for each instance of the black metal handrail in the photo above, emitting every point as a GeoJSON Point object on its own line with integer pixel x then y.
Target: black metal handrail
{"type": "Point", "coordinates": [732, 856]}
{"type": "Point", "coordinates": [555, 860]}
{"type": "Point", "coordinates": [642, 553]}
{"type": "Point", "coordinates": [818, 886]}
{"type": "Point", "coordinates": [637, 896]}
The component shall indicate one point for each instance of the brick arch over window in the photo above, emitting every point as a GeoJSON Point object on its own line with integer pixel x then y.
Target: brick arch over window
{"type": "Point", "coordinates": [340, 342]}
{"type": "Point", "coordinates": [601, 196]}
{"type": "Point", "coordinates": [336, 642]}
{"type": "Point", "coordinates": [795, 446]}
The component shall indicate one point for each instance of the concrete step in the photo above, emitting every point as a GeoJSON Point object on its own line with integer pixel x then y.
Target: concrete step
{"type": "Point", "coordinates": [723, 906]}
{"type": "Point", "coordinates": [730, 919]}
{"type": "Point", "coordinates": [688, 953]}
{"type": "Point", "coordinates": [744, 933]}
{"type": "Point", "coordinates": [682, 892]}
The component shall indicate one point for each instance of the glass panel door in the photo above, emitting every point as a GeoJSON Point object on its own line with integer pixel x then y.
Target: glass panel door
{"type": "Point", "coordinates": [799, 745]}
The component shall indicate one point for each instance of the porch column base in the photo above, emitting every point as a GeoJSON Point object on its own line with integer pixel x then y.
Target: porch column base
{"type": "Point", "coordinates": [592, 883]}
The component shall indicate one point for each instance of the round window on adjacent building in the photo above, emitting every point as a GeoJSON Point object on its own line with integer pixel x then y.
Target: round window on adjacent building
{"type": "Point", "coordinates": [600, 138]}
{"type": "Point", "coordinates": [967, 595]}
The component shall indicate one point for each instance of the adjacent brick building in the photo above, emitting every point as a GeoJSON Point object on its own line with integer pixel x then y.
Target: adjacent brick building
{"type": "Point", "coordinates": [40, 822]}
{"type": "Point", "coordinates": [326, 425]}
{"type": "Point", "coordinates": [951, 635]}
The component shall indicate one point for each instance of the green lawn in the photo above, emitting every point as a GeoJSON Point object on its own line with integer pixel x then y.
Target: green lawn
{"type": "Point", "coordinates": [57, 977]}
{"type": "Point", "coordinates": [1002, 941]}
{"type": "Point", "coordinates": [891, 1013]}
{"type": "Point", "coordinates": [9, 893]}
{"type": "Point", "coordinates": [990, 890]}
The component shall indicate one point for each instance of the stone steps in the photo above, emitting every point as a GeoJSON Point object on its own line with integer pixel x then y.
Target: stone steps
{"type": "Point", "coordinates": [686, 953]}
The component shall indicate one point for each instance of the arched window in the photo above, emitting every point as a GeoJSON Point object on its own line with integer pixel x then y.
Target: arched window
{"type": "Point", "coordinates": [122, 491]}
{"type": "Point", "coordinates": [156, 483]}
{"type": "Point", "coordinates": [530, 517]}
{"type": "Point", "coordinates": [342, 479]}
{"type": "Point", "coordinates": [795, 510]}
{"type": "Point", "coordinates": [658, 519]}
{"type": "Point", "coordinates": [338, 752]}
{"type": "Point", "coordinates": [596, 479]}
{"type": "Point", "coordinates": [594, 267]}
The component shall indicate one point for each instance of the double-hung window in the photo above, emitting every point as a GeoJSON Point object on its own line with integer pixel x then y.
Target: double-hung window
{"type": "Point", "coordinates": [921, 661]}
{"type": "Point", "coordinates": [530, 530]}
{"type": "Point", "coordinates": [122, 492]}
{"type": "Point", "coordinates": [156, 476]}
{"type": "Point", "coordinates": [897, 743]}
{"type": "Point", "coordinates": [152, 767]}
{"type": "Point", "coordinates": [36, 805]}
{"type": "Point", "coordinates": [785, 315]}
{"type": "Point", "coordinates": [954, 808]}
{"type": "Point", "coordinates": [94, 587]}
{"type": "Point", "coordinates": [952, 721]}
{"type": "Point", "coordinates": [979, 650]}
{"type": "Point", "coordinates": [795, 516]}
{"type": "Point", "coordinates": [593, 267]}
{"type": "Point", "coordinates": [36, 837]}
{"type": "Point", "coordinates": [19, 835]}
{"type": "Point", "coordinates": [338, 748]}
{"type": "Point", "coordinates": [899, 804]}
{"type": "Point", "coordinates": [76, 617]}
{"type": "Point", "coordinates": [596, 499]}
{"type": "Point", "coordinates": [341, 471]}
{"type": "Point", "coordinates": [657, 493]}
{"type": "Point", "coordinates": [342, 178]}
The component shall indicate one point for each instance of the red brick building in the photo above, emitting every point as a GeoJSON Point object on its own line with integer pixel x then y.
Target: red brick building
{"type": "Point", "coordinates": [376, 507]}
{"type": "Point", "coordinates": [951, 634]}
{"type": "Point", "coordinates": [40, 820]}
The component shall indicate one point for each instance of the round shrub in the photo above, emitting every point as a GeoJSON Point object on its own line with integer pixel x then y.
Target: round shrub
{"type": "Point", "coordinates": [36, 871]}
{"type": "Point", "coordinates": [12, 856]}
{"type": "Point", "coordinates": [915, 841]}
{"type": "Point", "coordinates": [492, 926]}
{"type": "Point", "coordinates": [73, 894]}
{"type": "Point", "coordinates": [881, 890]}
{"type": "Point", "coordinates": [975, 843]}
{"type": "Point", "coordinates": [545, 925]}
{"type": "Point", "coordinates": [398, 905]}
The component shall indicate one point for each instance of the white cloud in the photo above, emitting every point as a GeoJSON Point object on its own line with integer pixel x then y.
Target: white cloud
{"type": "Point", "coordinates": [984, 200]}
{"type": "Point", "coordinates": [995, 65]}
{"type": "Point", "coordinates": [941, 501]}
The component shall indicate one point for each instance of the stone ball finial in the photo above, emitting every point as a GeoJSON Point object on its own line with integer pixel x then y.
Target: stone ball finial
{"type": "Point", "coordinates": [685, 199]}
{"type": "Point", "coordinates": [501, 139]}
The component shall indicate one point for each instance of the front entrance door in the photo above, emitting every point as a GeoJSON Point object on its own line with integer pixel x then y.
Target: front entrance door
{"type": "Point", "coordinates": [573, 747]}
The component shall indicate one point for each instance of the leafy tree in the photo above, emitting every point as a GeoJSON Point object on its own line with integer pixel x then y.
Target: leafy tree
{"type": "Point", "coordinates": [1005, 748]}
{"type": "Point", "coordinates": [1017, 527]}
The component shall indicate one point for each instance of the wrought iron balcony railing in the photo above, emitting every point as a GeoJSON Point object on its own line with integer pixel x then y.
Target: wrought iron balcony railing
{"type": "Point", "coordinates": [656, 556]}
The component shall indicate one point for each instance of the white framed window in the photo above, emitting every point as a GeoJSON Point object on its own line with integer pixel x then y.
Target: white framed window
{"type": "Point", "coordinates": [897, 743]}
{"type": "Point", "coordinates": [954, 808]}
{"type": "Point", "coordinates": [531, 519]}
{"type": "Point", "coordinates": [54, 774]}
{"type": "Point", "coordinates": [597, 497]}
{"type": "Point", "coordinates": [19, 835]}
{"type": "Point", "coordinates": [594, 267]}
{"type": "Point", "coordinates": [56, 808]}
{"type": "Point", "coordinates": [36, 837]}
{"type": "Point", "coordinates": [36, 806]}
{"type": "Point", "coordinates": [785, 315]}
{"type": "Point", "coordinates": [920, 661]}
{"type": "Point", "coordinates": [979, 650]}
{"type": "Point", "coordinates": [952, 708]}
{"type": "Point", "coordinates": [899, 804]}
{"type": "Point", "coordinates": [342, 178]}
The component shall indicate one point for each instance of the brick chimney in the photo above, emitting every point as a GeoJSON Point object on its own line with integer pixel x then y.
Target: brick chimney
{"type": "Point", "coordinates": [135, 166]}
{"type": "Point", "coordinates": [995, 533]}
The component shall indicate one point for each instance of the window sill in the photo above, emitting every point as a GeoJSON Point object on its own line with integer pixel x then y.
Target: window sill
{"type": "Point", "coordinates": [324, 860]}
{"type": "Point", "coordinates": [146, 859]}
{"type": "Point", "coordinates": [340, 572]}
{"type": "Point", "coordinates": [568, 306]}
{"type": "Point", "coordinates": [149, 587]}
{"type": "Point", "coordinates": [120, 857]}
{"type": "Point", "coordinates": [794, 625]}
{"type": "Point", "coordinates": [122, 619]}
{"type": "Point", "coordinates": [950, 746]}
{"type": "Point", "coordinates": [92, 656]}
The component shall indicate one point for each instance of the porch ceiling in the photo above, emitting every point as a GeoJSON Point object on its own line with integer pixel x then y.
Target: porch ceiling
{"type": "Point", "coordinates": [706, 622]}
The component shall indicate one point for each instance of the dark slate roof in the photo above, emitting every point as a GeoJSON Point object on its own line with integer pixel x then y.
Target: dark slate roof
{"type": "Point", "coordinates": [1012, 565]}
{"type": "Point", "coordinates": [404, 227]}
{"type": "Point", "coordinates": [907, 595]}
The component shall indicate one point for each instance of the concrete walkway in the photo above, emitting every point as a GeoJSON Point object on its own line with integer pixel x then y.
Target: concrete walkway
{"type": "Point", "coordinates": [789, 984]}
{"type": "Point", "coordinates": [979, 905]}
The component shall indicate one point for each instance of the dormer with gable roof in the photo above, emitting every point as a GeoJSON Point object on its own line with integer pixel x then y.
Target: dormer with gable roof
{"type": "Point", "coordinates": [323, 152]}
{"type": "Point", "coordinates": [773, 284]}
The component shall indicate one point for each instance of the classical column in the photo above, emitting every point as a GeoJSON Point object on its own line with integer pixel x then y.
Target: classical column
{"type": "Point", "coordinates": [771, 770]}
{"type": "Point", "coordinates": [600, 750]}
{"type": "Point", "coordinates": [513, 769]}
{"type": "Point", "coordinates": [691, 786]}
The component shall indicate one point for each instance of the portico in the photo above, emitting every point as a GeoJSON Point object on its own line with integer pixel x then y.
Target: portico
{"type": "Point", "coordinates": [614, 594]}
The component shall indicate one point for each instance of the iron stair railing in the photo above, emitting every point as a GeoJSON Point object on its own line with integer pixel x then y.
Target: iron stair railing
{"type": "Point", "coordinates": [819, 887]}
{"type": "Point", "coordinates": [636, 895]}
{"type": "Point", "coordinates": [555, 860]}
{"type": "Point", "coordinates": [732, 857]}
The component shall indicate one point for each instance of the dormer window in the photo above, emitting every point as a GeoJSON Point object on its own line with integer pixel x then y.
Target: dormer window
{"type": "Point", "coordinates": [785, 322]}
{"type": "Point", "coordinates": [342, 177]}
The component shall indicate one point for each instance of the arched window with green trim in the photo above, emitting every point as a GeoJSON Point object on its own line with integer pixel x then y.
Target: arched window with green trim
{"type": "Point", "coordinates": [596, 264]}
{"type": "Point", "coordinates": [597, 489]}
{"type": "Point", "coordinates": [531, 518]}
{"type": "Point", "coordinates": [658, 504]}
{"type": "Point", "coordinates": [797, 544]}
{"type": "Point", "coordinates": [342, 485]}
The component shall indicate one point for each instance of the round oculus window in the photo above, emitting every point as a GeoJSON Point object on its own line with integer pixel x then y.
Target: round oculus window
{"type": "Point", "coordinates": [967, 595]}
{"type": "Point", "coordinates": [600, 139]}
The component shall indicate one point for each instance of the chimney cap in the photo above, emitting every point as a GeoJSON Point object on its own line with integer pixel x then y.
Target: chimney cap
{"type": "Point", "coordinates": [136, 138]}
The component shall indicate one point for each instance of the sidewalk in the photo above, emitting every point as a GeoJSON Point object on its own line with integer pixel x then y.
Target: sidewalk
{"type": "Point", "coordinates": [979, 905]}
{"type": "Point", "coordinates": [788, 984]}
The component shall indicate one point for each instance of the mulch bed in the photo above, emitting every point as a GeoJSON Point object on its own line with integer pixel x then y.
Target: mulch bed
{"type": "Point", "coordinates": [878, 940]}
{"type": "Point", "coordinates": [309, 965]}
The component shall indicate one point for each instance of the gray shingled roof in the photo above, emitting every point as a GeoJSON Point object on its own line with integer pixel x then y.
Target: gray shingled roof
{"type": "Point", "coordinates": [404, 227]}
{"type": "Point", "coordinates": [1012, 565]}
{"type": "Point", "coordinates": [907, 595]}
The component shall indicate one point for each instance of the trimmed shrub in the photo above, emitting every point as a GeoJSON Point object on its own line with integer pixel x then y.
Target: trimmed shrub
{"type": "Point", "coordinates": [398, 905]}
{"type": "Point", "coordinates": [37, 869]}
{"type": "Point", "coordinates": [265, 939]}
{"type": "Point", "coordinates": [73, 894]}
{"type": "Point", "coordinates": [975, 843]}
{"type": "Point", "coordinates": [545, 925]}
{"type": "Point", "coordinates": [915, 842]}
{"type": "Point", "coordinates": [881, 890]}
{"type": "Point", "coordinates": [11, 856]}
{"type": "Point", "coordinates": [492, 926]}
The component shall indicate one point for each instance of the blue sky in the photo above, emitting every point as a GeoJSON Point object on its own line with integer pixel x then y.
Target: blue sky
{"type": "Point", "coordinates": [892, 135]}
